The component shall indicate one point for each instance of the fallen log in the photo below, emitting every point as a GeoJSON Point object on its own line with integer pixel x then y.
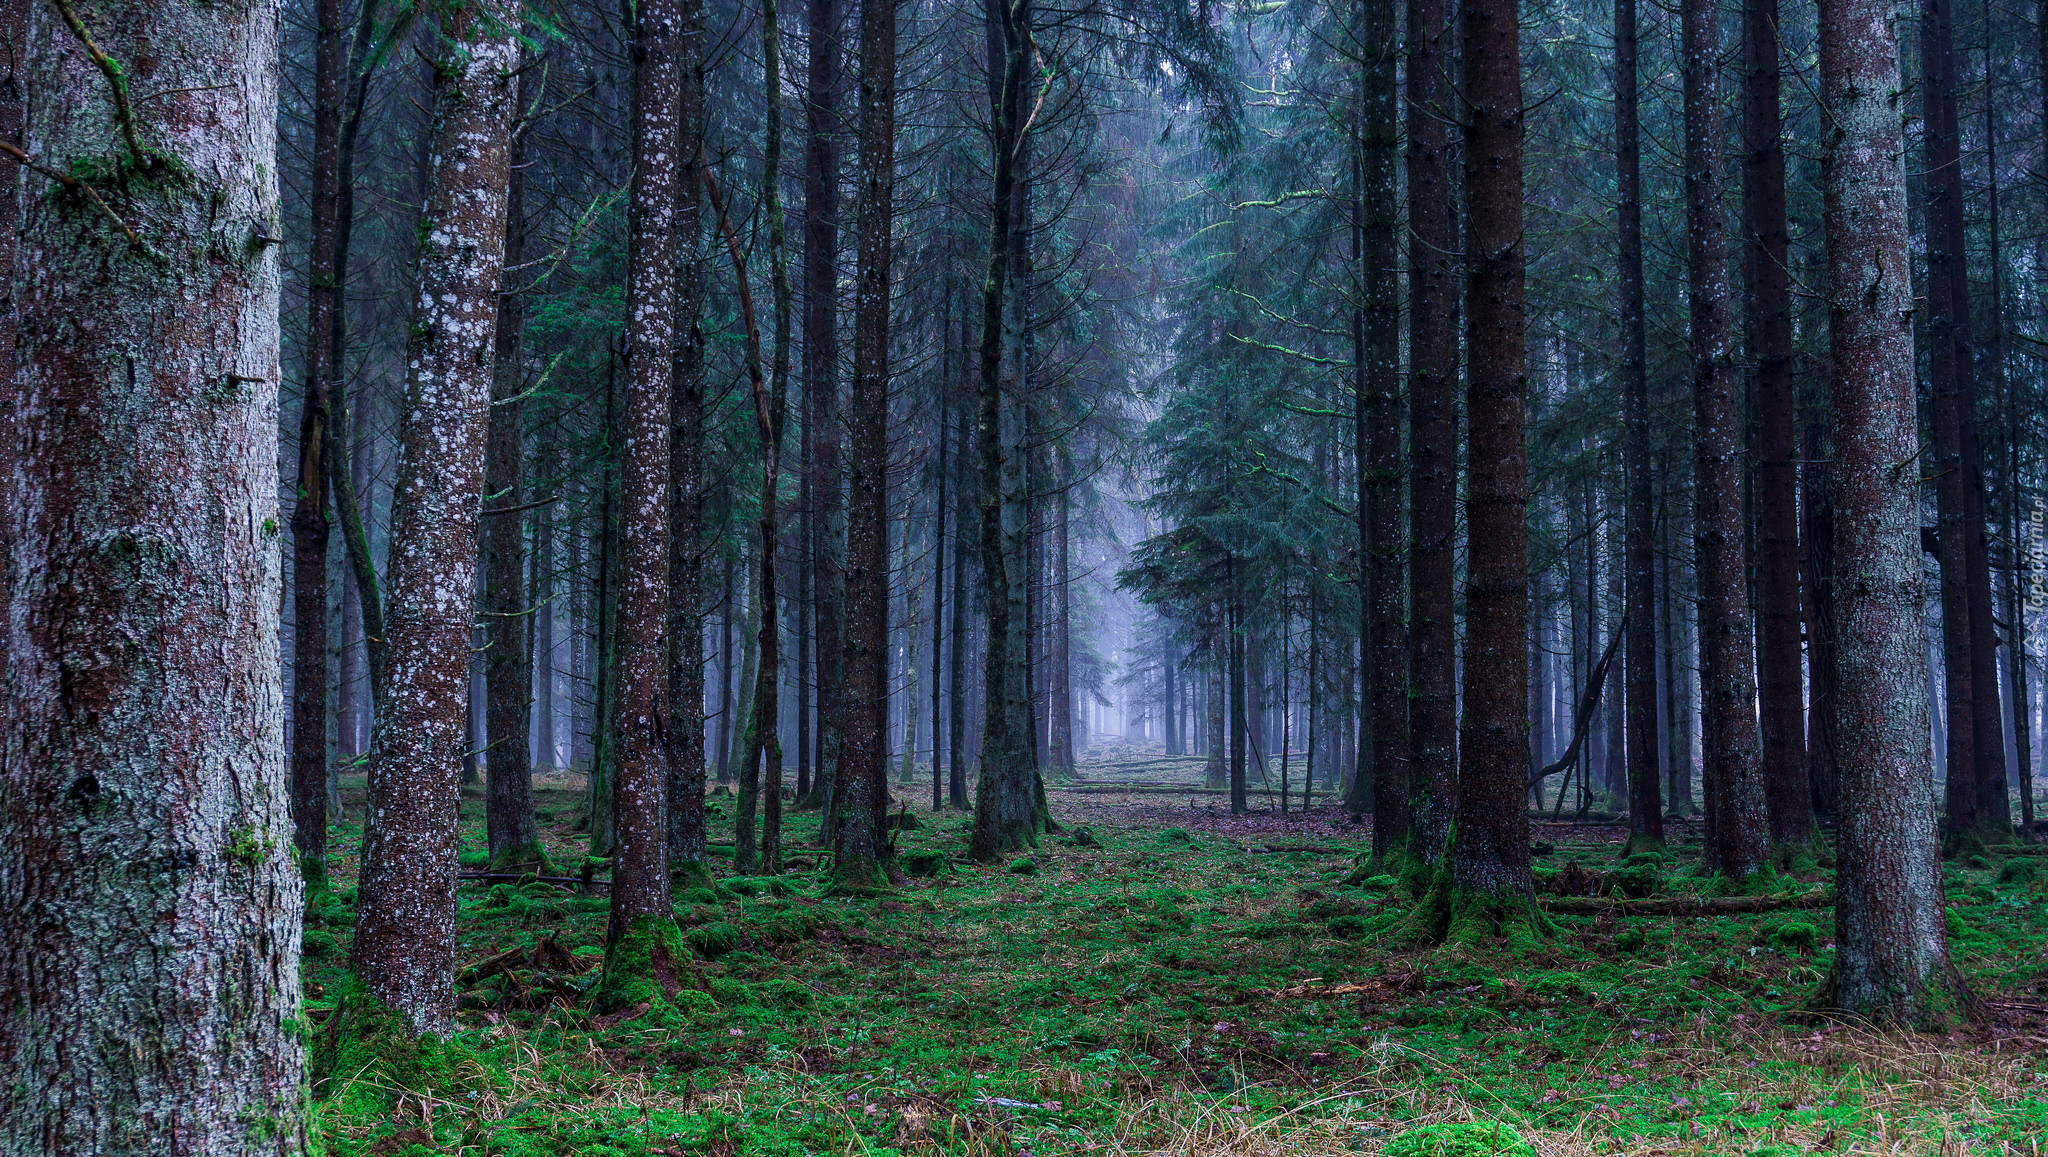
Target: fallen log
{"type": "Point", "coordinates": [1682, 905]}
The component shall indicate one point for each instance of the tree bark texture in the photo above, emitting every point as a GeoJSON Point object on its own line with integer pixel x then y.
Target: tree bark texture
{"type": "Point", "coordinates": [404, 947]}
{"type": "Point", "coordinates": [508, 619]}
{"type": "Point", "coordinates": [149, 897]}
{"type": "Point", "coordinates": [1378, 428]}
{"type": "Point", "coordinates": [640, 883]}
{"type": "Point", "coordinates": [1738, 831]}
{"type": "Point", "coordinates": [1490, 854]}
{"type": "Point", "coordinates": [822, 126]}
{"type": "Point", "coordinates": [1891, 960]}
{"type": "Point", "coordinates": [686, 766]}
{"type": "Point", "coordinates": [1432, 428]}
{"type": "Point", "coordinates": [864, 747]}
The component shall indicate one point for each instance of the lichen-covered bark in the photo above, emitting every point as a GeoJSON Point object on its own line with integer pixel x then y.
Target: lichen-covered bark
{"type": "Point", "coordinates": [1490, 847]}
{"type": "Point", "coordinates": [404, 947]}
{"type": "Point", "coordinates": [149, 900]}
{"type": "Point", "coordinates": [640, 884]}
{"type": "Point", "coordinates": [509, 828]}
{"type": "Point", "coordinates": [864, 751]}
{"type": "Point", "coordinates": [1737, 828]}
{"type": "Point", "coordinates": [1891, 960]}
{"type": "Point", "coordinates": [822, 127]}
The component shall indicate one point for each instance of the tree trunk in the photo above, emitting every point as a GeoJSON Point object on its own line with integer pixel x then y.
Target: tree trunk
{"type": "Point", "coordinates": [405, 914]}
{"type": "Point", "coordinates": [860, 862]}
{"type": "Point", "coordinates": [508, 619]}
{"type": "Point", "coordinates": [1240, 722]}
{"type": "Point", "coordinates": [687, 841]}
{"type": "Point", "coordinates": [149, 914]}
{"type": "Point", "coordinates": [1432, 427]}
{"type": "Point", "coordinates": [822, 126]}
{"type": "Point", "coordinates": [1004, 810]}
{"type": "Point", "coordinates": [1819, 539]}
{"type": "Point", "coordinates": [1059, 661]}
{"type": "Point", "coordinates": [956, 729]}
{"type": "Point", "coordinates": [1891, 960]}
{"type": "Point", "coordinates": [644, 948]}
{"type": "Point", "coordinates": [1976, 795]}
{"type": "Point", "coordinates": [309, 512]}
{"type": "Point", "coordinates": [1490, 875]}
{"type": "Point", "coordinates": [939, 558]}
{"type": "Point", "coordinates": [1738, 831]}
{"type": "Point", "coordinates": [1377, 422]}
{"type": "Point", "coordinates": [1779, 676]}
{"type": "Point", "coordinates": [1646, 815]}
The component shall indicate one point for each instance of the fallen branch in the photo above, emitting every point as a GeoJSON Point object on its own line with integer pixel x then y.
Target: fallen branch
{"type": "Point", "coordinates": [570, 882]}
{"type": "Point", "coordinates": [1682, 905]}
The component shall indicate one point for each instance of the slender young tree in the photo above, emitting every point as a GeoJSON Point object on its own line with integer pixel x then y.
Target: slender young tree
{"type": "Point", "coordinates": [824, 432]}
{"type": "Point", "coordinates": [1646, 815]}
{"type": "Point", "coordinates": [404, 946]}
{"type": "Point", "coordinates": [1432, 427]}
{"type": "Point", "coordinates": [688, 848]}
{"type": "Point", "coordinates": [309, 512]}
{"type": "Point", "coordinates": [1738, 832]}
{"type": "Point", "coordinates": [1891, 959]}
{"type": "Point", "coordinates": [512, 837]}
{"type": "Point", "coordinates": [864, 750]}
{"type": "Point", "coordinates": [644, 949]}
{"type": "Point", "coordinates": [149, 896]}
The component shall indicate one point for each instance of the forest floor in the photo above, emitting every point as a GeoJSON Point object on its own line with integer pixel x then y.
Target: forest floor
{"type": "Point", "coordinates": [1181, 983]}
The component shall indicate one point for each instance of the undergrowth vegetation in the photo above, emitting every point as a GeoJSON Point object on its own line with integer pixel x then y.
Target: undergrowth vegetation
{"type": "Point", "coordinates": [1192, 989]}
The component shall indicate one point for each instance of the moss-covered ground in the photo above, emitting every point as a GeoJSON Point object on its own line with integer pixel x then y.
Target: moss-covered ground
{"type": "Point", "coordinates": [1178, 982]}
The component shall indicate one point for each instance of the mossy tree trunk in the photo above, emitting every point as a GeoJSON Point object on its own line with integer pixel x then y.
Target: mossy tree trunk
{"type": "Point", "coordinates": [149, 896]}
{"type": "Point", "coordinates": [1891, 960]}
{"type": "Point", "coordinates": [404, 947]}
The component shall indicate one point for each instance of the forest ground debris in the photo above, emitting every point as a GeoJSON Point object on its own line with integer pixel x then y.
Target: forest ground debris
{"type": "Point", "coordinates": [1154, 997]}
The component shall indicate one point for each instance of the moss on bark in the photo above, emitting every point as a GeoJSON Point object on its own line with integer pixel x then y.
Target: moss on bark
{"type": "Point", "coordinates": [645, 963]}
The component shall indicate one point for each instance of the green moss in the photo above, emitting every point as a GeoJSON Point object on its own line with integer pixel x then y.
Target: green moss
{"type": "Point", "coordinates": [697, 896]}
{"type": "Point", "coordinates": [244, 847]}
{"type": "Point", "coordinates": [366, 1054]}
{"type": "Point", "coordinates": [644, 963]}
{"type": "Point", "coordinates": [1175, 836]}
{"type": "Point", "coordinates": [1023, 866]}
{"type": "Point", "coordinates": [1459, 1139]}
{"type": "Point", "coordinates": [1793, 936]}
{"type": "Point", "coordinates": [715, 940]}
{"type": "Point", "coordinates": [314, 942]}
{"type": "Point", "coordinates": [923, 862]}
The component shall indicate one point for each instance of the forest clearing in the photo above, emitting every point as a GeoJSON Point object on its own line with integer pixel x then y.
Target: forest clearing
{"type": "Point", "coordinates": [1182, 982]}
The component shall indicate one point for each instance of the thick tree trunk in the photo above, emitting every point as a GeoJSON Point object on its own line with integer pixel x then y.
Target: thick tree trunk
{"type": "Point", "coordinates": [1780, 680]}
{"type": "Point", "coordinates": [1489, 863]}
{"type": "Point", "coordinates": [1432, 428]}
{"type": "Point", "coordinates": [309, 513]}
{"type": "Point", "coordinates": [1738, 829]}
{"type": "Point", "coordinates": [1377, 431]}
{"type": "Point", "coordinates": [508, 619]}
{"type": "Point", "coordinates": [861, 860]}
{"type": "Point", "coordinates": [1819, 538]}
{"type": "Point", "coordinates": [644, 952]}
{"type": "Point", "coordinates": [405, 914]}
{"type": "Point", "coordinates": [149, 899]}
{"type": "Point", "coordinates": [1004, 808]}
{"type": "Point", "coordinates": [1891, 960]}
{"type": "Point", "coordinates": [822, 126]}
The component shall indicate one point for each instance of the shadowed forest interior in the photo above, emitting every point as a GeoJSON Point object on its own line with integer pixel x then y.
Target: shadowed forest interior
{"type": "Point", "coordinates": [1017, 578]}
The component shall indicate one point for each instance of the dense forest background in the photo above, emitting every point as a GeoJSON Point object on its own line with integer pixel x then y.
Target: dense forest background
{"type": "Point", "coordinates": [688, 576]}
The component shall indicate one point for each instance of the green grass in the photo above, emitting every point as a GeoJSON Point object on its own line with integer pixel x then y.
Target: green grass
{"type": "Point", "coordinates": [1171, 990]}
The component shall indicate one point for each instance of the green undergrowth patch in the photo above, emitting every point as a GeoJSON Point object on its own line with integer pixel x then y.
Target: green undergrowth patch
{"type": "Point", "coordinates": [1184, 993]}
